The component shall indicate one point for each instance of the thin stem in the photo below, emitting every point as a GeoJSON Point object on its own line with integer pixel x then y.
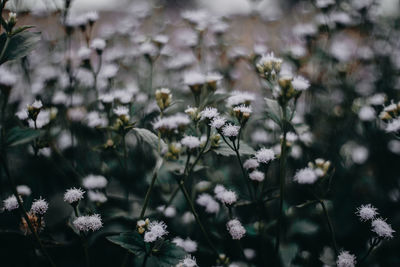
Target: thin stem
{"type": "Point", "coordinates": [282, 176]}
{"type": "Point", "coordinates": [243, 171]}
{"type": "Point", "coordinates": [321, 202]}
{"type": "Point", "coordinates": [24, 213]}
{"type": "Point", "coordinates": [83, 240]}
{"type": "Point", "coordinates": [373, 243]}
{"type": "Point", "coordinates": [125, 167]}
{"type": "Point", "coordinates": [147, 197]}
{"type": "Point", "coordinates": [3, 51]}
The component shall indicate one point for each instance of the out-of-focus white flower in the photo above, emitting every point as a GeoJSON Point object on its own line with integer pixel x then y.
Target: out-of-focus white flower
{"type": "Point", "coordinates": [228, 197]}
{"type": "Point", "coordinates": [193, 78]}
{"type": "Point", "coordinates": [249, 253]}
{"type": "Point", "coordinates": [24, 190]}
{"type": "Point", "coordinates": [84, 53]}
{"type": "Point", "coordinates": [171, 123]}
{"type": "Point", "coordinates": [98, 44]}
{"type": "Point", "coordinates": [187, 244]}
{"type": "Point", "coordinates": [345, 259]}
{"type": "Point", "coordinates": [257, 176]}
{"type": "Point", "coordinates": [10, 203]}
{"type": "Point", "coordinates": [208, 202]}
{"type": "Point", "coordinates": [366, 113]}
{"type": "Point", "coordinates": [73, 195]}
{"type": "Point", "coordinates": [121, 111]}
{"type": "Point", "coordinates": [264, 155]}
{"type": "Point", "coordinates": [366, 212]}
{"type": "Point", "coordinates": [251, 164]}
{"type": "Point", "coordinates": [39, 207]}
{"type": "Point", "coordinates": [96, 196]}
{"type": "Point", "coordinates": [305, 176]}
{"type": "Point", "coordinates": [240, 97]}
{"type": "Point", "coordinates": [300, 83]}
{"type": "Point", "coordinates": [168, 212]}
{"type": "Point", "coordinates": [382, 228]}
{"type": "Point", "coordinates": [393, 126]}
{"type": "Point", "coordinates": [94, 182]}
{"type": "Point", "coordinates": [22, 114]}
{"type": "Point", "coordinates": [190, 142]}
{"type": "Point", "coordinates": [87, 223]}
{"type": "Point", "coordinates": [236, 229]}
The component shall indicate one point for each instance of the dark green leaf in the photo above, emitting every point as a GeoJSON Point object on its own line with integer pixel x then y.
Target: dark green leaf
{"type": "Point", "coordinates": [132, 241]}
{"type": "Point", "coordinates": [224, 150]}
{"type": "Point", "coordinates": [18, 136]}
{"type": "Point", "coordinates": [167, 255]}
{"type": "Point", "coordinates": [19, 46]}
{"type": "Point", "coordinates": [21, 29]}
{"type": "Point", "coordinates": [150, 138]}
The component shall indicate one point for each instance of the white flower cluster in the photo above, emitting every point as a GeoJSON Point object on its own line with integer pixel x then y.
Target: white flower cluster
{"type": "Point", "coordinates": [73, 195]}
{"type": "Point", "coordinates": [379, 226]}
{"type": "Point", "coordinates": [265, 155]}
{"type": "Point", "coordinates": [190, 142]}
{"type": "Point", "coordinates": [154, 231]}
{"type": "Point", "coordinates": [228, 197]}
{"type": "Point", "coordinates": [207, 201]}
{"type": "Point", "coordinates": [240, 97]}
{"type": "Point", "coordinates": [236, 229]}
{"type": "Point", "coordinates": [218, 122]}
{"type": "Point", "coordinates": [87, 223]}
{"type": "Point", "coordinates": [171, 123]}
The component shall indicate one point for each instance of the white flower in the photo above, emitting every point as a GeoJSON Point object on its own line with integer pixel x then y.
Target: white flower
{"type": "Point", "coordinates": [37, 104]}
{"type": "Point", "coordinates": [168, 212]}
{"type": "Point", "coordinates": [382, 228]}
{"type": "Point", "coordinates": [393, 126]}
{"type": "Point", "coordinates": [228, 197]}
{"type": "Point", "coordinates": [240, 97]}
{"type": "Point", "coordinates": [89, 222]}
{"type": "Point", "coordinates": [324, 3]}
{"type": "Point", "coordinates": [257, 176]}
{"type": "Point", "coordinates": [188, 245]}
{"type": "Point", "coordinates": [209, 113]}
{"type": "Point", "coordinates": [172, 122]}
{"type": "Point", "coordinates": [73, 195]}
{"type": "Point", "coordinates": [106, 98]}
{"type": "Point", "coordinates": [299, 83]}
{"type": "Point", "coordinates": [305, 176]}
{"type": "Point", "coordinates": [94, 182]}
{"type": "Point", "coordinates": [98, 44]}
{"type": "Point", "coordinates": [367, 113]}
{"type": "Point", "coordinates": [188, 261]}
{"type": "Point", "coordinates": [84, 53]}
{"type": "Point", "coordinates": [96, 196]}
{"type": "Point", "coordinates": [251, 164]}
{"type": "Point", "coordinates": [121, 111]}
{"type": "Point", "coordinates": [39, 206]}
{"type": "Point", "coordinates": [208, 202]}
{"type": "Point", "coordinates": [268, 59]}
{"type": "Point", "coordinates": [264, 155]}
{"type": "Point", "coordinates": [230, 130]}
{"type": "Point", "coordinates": [10, 203]}
{"type": "Point", "coordinates": [345, 259]}
{"type": "Point", "coordinates": [249, 253]}
{"type": "Point", "coordinates": [193, 78]}
{"type": "Point", "coordinates": [22, 114]}
{"type": "Point", "coordinates": [92, 16]}
{"type": "Point", "coordinates": [236, 229]}
{"type": "Point", "coordinates": [150, 237]}
{"type": "Point", "coordinates": [367, 212]}
{"type": "Point", "coordinates": [24, 190]}
{"type": "Point", "coordinates": [155, 230]}
{"type": "Point", "coordinates": [218, 122]}
{"type": "Point", "coordinates": [191, 142]}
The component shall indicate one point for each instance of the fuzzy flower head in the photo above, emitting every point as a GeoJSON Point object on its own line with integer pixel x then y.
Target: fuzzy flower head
{"type": "Point", "coordinates": [10, 203]}
{"type": "Point", "coordinates": [155, 230]}
{"type": "Point", "coordinates": [265, 155]}
{"type": "Point", "coordinates": [228, 197]}
{"type": "Point", "coordinates": [94, 182]}
{"type": "Point", "coordinates": [236, 229]}
{"type": "Point", "coordinates": [188, 261]}
{"type": "Point", "coordinates": [24, 190]}
{"type": "Point", "coordinates": [191, 142]}
{"type": "Point", "coordinates": [188, 244]}
{"type": "Point", "coordinates": [251, 164]}
{"type": "Point", "coordinates": [367, 212]}
{"type": "Point", "coordinates": [209, 113]}
{"type": "Point", "coordinates": [305, 176]}
{"type": "Point", "coordinates": [345, 259]}
{"type": "Point", "coordinates": [39, 207]}
{"type": "Point", "coordinates": [87, 223]}
{"type": "Point", "coordinates": [73, 195]}
{"type": "Point", "coordinates": [98, 45]}
{"type": "Point", "coordinates": [300, 83]}
{"type": "Point", "coordinates": [171, 124]}
{"type": "Point", "coordinates": [218, 122]}
{"type": "Point", "coordinates": [382, 228]}
{"type": "Point", "coordinates": [257, 176]}
{"type": "Point", "coordinates": [230, 130]}
{"type": "Point", "coordinates": [208, 202]}
{"type": "Point", "coordinates": [240, 98]}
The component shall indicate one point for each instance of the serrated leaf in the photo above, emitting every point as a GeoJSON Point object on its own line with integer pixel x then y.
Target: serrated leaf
{"type": "Point", "coordinates": [19, 45]}
{"type": "Point", "coordinates": [132, 241]}
{"type": "Point", "coordinates": [224, 150]}
{"type": "Point", "coordinates": [150, 138]}
{"type": "Point", "coordinates": [19, 136]}
{"type": "Point", "coordinates": [167, 255]}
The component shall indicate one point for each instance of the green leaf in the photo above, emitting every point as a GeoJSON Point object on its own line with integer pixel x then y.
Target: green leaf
{"type": "Point", "coordinates": [21, 29]}
{"type": "Point", "coordinates": [224, 150]}
{"type": "Point", "coordinates": [19, 136]}
{"type": "Point", "coordinates": [132, 241]}
{"type": "Point", "coordinates": [19, 45]}
{"type": "Point", "coordinates": [150, 138]}
{"type": "Point", "coordinates": [288, 253]}
{"type": "Point", "coordinates": [167, 255]}
{"type": "Point", "coordinates": [273, 110]}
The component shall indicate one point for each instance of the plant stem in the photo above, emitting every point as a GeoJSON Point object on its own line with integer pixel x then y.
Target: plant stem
{"type": "Point", "coordinates": [246, 180]}
{"type": "Point", "coordinates": [125, 168]}
{"type": "Point", "coordinates": [147, 197]}
{"type": "Point", "coordinates": [83, 240]}
{"type": "Point", "coordinates": [24, 213]}
{"type": "Point", "coordinates": [282, 177]}
{"type": "Point", "coordinates": [321, 202]}
{"type": "Point", "coordinates": [3, 51]}
{"type": "Point", "coordinates": [373, 243]}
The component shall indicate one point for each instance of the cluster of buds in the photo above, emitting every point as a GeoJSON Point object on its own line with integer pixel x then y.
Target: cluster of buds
{"type": "Point", "coordinates": [193, 113]}
{"type": "Point", "coordinates": [214, 140]}
{"type": "Point", "coordinates": [390, 112]}
{"type": "Point", "coordinates": [163, 98]}
{"type": "Point", "coordinates": [10, 23]}
{"type": "Point", "coordinates": [242, 113]}
{"type": "Point", "coordinates": [174, 150]}
{"type": "Point", "coordinates": [142, 225]}
{"type": "Point", "coordinates": [320, 166]}
{"type": "Point", "coordinates": [34, 109]}
{"type": "Point", "coordinates": [287, 90]}
{"type": "Point", "coordinates": [223, 259]}
{"type": "Point", "coordinates": [269, 66]}
{"type": "Point", "coordinates": [36, 222]}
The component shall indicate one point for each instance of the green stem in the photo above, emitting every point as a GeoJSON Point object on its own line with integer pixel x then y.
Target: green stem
{"type": "Point", "coordinates": [3, 51]}
{"type": "Point", "coordinates": [321, 202]}
{"type": "Point", "coordinates": [147, 197]}
{"type": "Point", "coordinates": [282, 176]}
{"type": "Point", "coordinates": [373, 243]}
{"type": "Point", "coordinates": [125, 168]}
{"type": "Point", "coordinates": [243, 171]}
{"type": "Point", "coordinates": [83, 240]}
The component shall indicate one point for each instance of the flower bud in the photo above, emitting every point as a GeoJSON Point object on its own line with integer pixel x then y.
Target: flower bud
{"type": "Point", "coordinates": [163, 98]}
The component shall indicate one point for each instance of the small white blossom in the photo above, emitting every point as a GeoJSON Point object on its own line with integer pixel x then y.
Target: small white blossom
{"type": "Point", "coordinates": [367, 113]}
{"type": "Point", "coordinates": [299, 83]}
{"type": "Point", "coordinates": [10, 203]}
{"type": "Point", "coordinates": [257, 176]}
{"type": "Point", "coordinates": [155, 230]}
{"type": "Point", "coordinates": [208, 202]}
{"type": "Point", "coordinates": [228, 197]}
{"type": "Point", "coordinates": [305, 176]}
{"type": "Point", "coordinates": [73, 195]}
{"type": "Point", "coordinates": [230, 130]}
{"type": "Point", "coordinates": [37, 104]}
{"type": "Point", "coordinates": [243, 109]}
{"type": "Point", "coordinates": [39, 206]}
{"type": "Point", "coordinates": [188, 261]}
{"type": "Point", "coordinates": [94, 182]}
{"type": "Point", "coordinates": [89, 222]}
{"type": "Point", "coordinates": [22, 114]}
{"type": "Point", "coordinates": [98, 44]}
{"type": "Point", "coordinates": [24, 190]}
{"type": "Point", "coordinates": [251, 164]}
{"type": "Point", "coordinates": [191, 142]}
{"type": "Point", "coordinates": [218, 122]}
{"type": "Point", "coordinates": [236, 229]}
{"type": "Point", "coordinates": [96, 196]}
{"type": "Point", "coordinates": [264, 155]}
{"type": "Point", "coordinates": [187, 244]}
{"type": "Point", "coordinates": [121, 111]}
{"type": "Point", "coordinates": [367, 212]}
{"type": "Point", "coordinates": [240, 97]}
{"type": "Point", "coordinates": [345, 259]}
{"type": "Point", "coordinates": [382, 228]}
{"type": "Point", "coordinates": [209, 113]}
